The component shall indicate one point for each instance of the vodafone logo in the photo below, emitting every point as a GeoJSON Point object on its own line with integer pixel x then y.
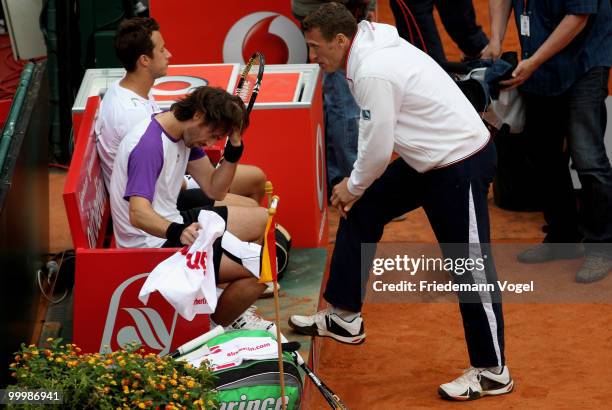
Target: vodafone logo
{"type": "Point", "coordinates": [174, 85]}
{"type": "Point", "coordinates": [273, 34]}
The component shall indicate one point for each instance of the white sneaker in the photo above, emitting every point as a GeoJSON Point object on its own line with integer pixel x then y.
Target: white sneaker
{"type": "Point", "coordinates": [269, 291]}
{"type": "Point", "coordinates": [252, 321]}
{"type": "Point", "coordinates": [475, 383]}
{"type": "Point", "coordinates": [325, 323]}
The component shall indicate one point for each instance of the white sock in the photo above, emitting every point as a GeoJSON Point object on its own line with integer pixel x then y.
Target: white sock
{"type": "Point", "coordinates": [345, 314]}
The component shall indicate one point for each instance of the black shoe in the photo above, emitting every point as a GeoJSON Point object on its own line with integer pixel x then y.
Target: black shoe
{"type": "Point", "coordinates": [545, 252]}
{"type": "Point", "coordinates": [595, 267]}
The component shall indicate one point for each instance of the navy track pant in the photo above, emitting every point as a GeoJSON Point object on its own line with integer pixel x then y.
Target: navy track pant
{"type": "Point", "coordinates": [455, 201]}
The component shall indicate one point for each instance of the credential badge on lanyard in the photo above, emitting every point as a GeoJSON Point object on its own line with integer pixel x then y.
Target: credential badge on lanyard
{"type": "Point", "coordinates": [525, 21]}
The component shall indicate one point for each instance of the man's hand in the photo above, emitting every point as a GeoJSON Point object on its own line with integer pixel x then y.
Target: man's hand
{"type": "Point", "coordinates": [189, 234]}
{"type": "Point", "coordinates": [521, 73]}
{"type": "Point", "coordinates": [342, 199]}
{"type": "Point", "coordinates": [491, 51]}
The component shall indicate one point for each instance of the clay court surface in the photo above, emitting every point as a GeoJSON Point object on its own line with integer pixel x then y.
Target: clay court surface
{"type": "Point", "coordinates": [560, 355]}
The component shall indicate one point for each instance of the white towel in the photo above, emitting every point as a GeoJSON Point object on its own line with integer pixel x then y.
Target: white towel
{"type": "Point", "coordinates": [187, 278]}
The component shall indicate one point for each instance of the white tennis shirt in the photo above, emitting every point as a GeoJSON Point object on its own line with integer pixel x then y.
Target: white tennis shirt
{"type": "Point", "coordinates": [121, 109]}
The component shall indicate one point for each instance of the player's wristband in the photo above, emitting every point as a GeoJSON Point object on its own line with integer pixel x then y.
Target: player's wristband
{"type": "Point", "coordinates": [232, 153]}
{"type": "Point", "coordinates": [174, 231]}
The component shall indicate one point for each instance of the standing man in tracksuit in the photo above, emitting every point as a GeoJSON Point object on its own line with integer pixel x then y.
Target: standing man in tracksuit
{"type": "Point", "coordinates": [446, 162]}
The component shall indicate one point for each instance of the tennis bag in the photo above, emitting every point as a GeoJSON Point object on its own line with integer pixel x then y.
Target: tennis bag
{"type": "Point", "coordinates": [283, 248]}
{"type": "Point", "coordinates": [254, 384]}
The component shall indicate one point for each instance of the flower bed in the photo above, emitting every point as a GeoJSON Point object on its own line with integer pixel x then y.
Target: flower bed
{"type": "Point", "coordinates": [124, 379]}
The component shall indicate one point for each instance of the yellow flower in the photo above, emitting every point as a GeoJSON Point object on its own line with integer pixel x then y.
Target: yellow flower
{"type": "Point", "coordinates": [114, 383]}
{"type": "Point", "coordinates": [13, 365]}
{"type": "Point", "coordinates": [35, 352]}
{"type": "Point", "coordinates": [59, 359]}
{"type": "Point", "coordinates": [141, 405]}
{"type": "Point", "coordinates": [175, 396]}
{"type": "Point", "coordinates": [190, 384]}
{"type": "Point", "coordinates": [91, 361]}
{"type": "Point", "coordinates": [49, 339]}
{"type": "Point", "coordinates": [108, 361]}
{"type": "Point", "coordinates": [173, 382]}
{"type": "Point", "coordinates": [122, 363]}
{"type": "Point", "coordinates": [126, 389]}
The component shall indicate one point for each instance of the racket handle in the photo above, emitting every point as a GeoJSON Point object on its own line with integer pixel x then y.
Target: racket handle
{"type": "Point", "coordinates": [197, 342]}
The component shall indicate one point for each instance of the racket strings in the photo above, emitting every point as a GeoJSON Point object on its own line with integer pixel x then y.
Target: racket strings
{"type": "Point", "coordinates": [245, 91]}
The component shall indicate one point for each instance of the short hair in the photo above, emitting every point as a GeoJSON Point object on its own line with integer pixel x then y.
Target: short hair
{"type": "Point", "coordinates": [332, 19]}
{"type": "Point", "coordinates": [133, 39]}
{"type": "Point", "coordinates": [221, 109]}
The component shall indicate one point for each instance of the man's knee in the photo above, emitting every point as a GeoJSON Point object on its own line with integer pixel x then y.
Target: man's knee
{"type": "Point", "coordinates": [248, 224]}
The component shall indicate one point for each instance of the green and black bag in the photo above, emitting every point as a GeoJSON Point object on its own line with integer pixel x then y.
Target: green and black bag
{"type": "Point", "coordinates": [255, 384]}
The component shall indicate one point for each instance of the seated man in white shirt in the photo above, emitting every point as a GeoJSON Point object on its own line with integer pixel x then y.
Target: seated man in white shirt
{"type": "Point", "coordinates": [140, 47]}
{"type": "Point", "coordinates": [145, 183]}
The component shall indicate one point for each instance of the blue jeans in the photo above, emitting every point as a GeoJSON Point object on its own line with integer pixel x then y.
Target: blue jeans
{"type": "Point", "coordinates": [341, 126]}
{"type": "Point", "coordinates": [580, 114]}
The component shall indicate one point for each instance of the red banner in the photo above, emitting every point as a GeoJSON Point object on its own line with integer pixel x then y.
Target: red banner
{"type": "Point", "coordinates": [197, 31]}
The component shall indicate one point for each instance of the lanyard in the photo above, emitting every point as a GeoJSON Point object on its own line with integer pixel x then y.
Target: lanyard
{"type": "Point", "coordinates": [524, 6]}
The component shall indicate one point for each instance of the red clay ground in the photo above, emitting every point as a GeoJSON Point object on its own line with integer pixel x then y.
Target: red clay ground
{"type": "Point", "coordinates": [560, 355]}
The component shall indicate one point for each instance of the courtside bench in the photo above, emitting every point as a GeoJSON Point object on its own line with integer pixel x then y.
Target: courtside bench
{"type": "Point", "coordinates": [107, 311]}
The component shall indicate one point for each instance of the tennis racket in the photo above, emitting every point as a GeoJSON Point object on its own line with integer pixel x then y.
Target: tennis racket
{"type": "Point", "coordinates": [332, 398]}
{"type": "Point", "coordinates": [197, 342]}
{"type": "Point", "coordinates": [250, 80]}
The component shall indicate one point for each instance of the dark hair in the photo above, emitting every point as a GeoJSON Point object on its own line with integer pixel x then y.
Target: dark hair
{"type": "Point", "coordinates": [133, 39]}
{"type": "Point", "coordinates": [331, 19]}
{"type": "Point", "coordinates": [221, 109]}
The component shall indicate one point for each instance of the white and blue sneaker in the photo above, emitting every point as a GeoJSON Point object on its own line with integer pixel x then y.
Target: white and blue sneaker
{"type": "Point", "coordinates": [327, 324]}
{"type": "Point", "coordinates": [475, 383]}
{"type": "Point", "coordinates": [249, 320]}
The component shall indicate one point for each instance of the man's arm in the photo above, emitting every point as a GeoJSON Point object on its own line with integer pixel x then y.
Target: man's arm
{"type": "Point", "coordinates": [499, 13]}
{"type": "Point", "coordinates": [377, 100]}
{"type": "Point", "coordinates": [143, 216]}
{"type": "Point", "coordinates": [216, 181]}
{"type": "Point", "coordinates": [566, 31]}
